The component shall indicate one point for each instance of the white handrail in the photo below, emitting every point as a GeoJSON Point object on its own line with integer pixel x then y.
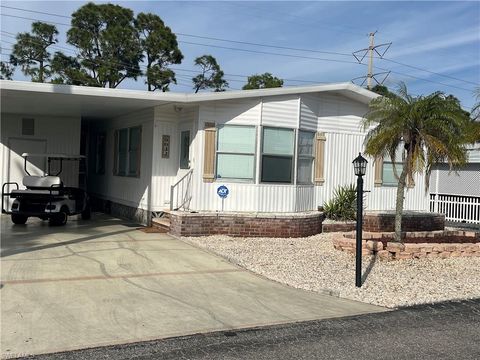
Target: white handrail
{"type": "Point", "coordinates": [185, 193]}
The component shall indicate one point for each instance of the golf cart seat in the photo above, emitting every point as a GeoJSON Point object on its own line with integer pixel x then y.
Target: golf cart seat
{"type": "Point", "coordinates": [39, 185]}
{"type": "Point", "coordinates": [41, 182]}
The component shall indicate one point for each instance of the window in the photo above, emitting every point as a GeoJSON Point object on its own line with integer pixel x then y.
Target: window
{"type": "Point", "coordinates": [134, 143]}
{"type": "Point", "coordinates": [100, 147]}
{"type": "Point", "coordinates": [277, 155]}
{"type": "Point", "coordinates": [236, 152]}
{"type": "Point", "coordinates": [185, 150]}
{"type": "Point", "coordinates": [305, 157]}
{"type": "Point", "coordinates": [388, 175]}
{"type": "Point", "coordinates": [128, 151]}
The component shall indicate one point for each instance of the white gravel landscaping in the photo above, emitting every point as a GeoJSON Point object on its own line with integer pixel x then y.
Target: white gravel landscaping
{"type": "Point", "coordinates": [313, 264]}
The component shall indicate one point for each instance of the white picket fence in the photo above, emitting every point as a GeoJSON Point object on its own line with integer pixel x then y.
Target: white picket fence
{"type": "Point", "coordinates": [457, 208]}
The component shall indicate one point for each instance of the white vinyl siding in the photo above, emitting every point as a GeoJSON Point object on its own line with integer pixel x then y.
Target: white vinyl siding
{"type": "Point", "coordinates": [309, 112]}
{"type": "Point", "coordinates": [281, 112]}
{"type": "Point", "coordinates": [339, 114]}
{"type": "Point", "coordinates": [239, 112]}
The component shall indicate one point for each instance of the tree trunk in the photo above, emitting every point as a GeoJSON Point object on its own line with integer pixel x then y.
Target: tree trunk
{"type": "Point", "coordinates": [399, 204]}
{"type": "Point", "coordinates": [40, 72]}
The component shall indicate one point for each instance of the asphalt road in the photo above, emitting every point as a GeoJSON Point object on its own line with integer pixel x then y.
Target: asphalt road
{"type": "Point", "coordinates": [442, 331]}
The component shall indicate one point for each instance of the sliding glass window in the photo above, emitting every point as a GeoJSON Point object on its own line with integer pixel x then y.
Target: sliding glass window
{"type": "Point", "coordinates": [277, 155]}
{"type": "Point", "coordinates": [305, 157]}
{"type": "Point", "coordinates": [236, 152]}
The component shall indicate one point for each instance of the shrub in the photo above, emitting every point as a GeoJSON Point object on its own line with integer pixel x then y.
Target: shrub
{"type": "Point", "coordinates": [343, 204]}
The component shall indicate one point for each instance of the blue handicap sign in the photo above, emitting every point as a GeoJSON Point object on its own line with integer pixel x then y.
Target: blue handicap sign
{"type": "Point", "coordinates": [222, 191]}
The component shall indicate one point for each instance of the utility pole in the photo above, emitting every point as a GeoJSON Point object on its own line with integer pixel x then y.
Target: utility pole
{"type": "Point", "coordinates": [370, 60]}
{"type": "Point", "coordinates": [360, 56]}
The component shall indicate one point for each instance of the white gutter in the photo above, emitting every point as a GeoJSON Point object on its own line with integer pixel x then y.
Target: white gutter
{"type": "Point", "coordinates": [181, 97]}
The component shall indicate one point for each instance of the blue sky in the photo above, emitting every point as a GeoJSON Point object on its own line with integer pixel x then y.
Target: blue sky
{"type": "Point", "coordinates": [439, 36]}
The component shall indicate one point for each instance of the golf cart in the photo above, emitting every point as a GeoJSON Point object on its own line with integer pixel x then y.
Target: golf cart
{"type": "Point", "coordinates": [45, 196]}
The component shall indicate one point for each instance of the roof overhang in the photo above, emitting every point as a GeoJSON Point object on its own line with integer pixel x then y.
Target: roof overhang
{"type": "Point", "coordinates": [349, 90]}
{"type": "Point", "coordinates": [22, 97]}
{"type": "Point", "coordinates": [65, 100]}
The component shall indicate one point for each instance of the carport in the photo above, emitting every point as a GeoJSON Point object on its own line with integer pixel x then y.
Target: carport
{"type": "Point", "coordinates": [102, 282]}
{"type": "Point", "coordinates": [48, 118]}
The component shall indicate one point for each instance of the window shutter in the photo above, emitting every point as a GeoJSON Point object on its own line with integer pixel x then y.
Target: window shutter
{"type": "Point", "coordinates": [378, 169]}
{"type": "Point", "coordinates": [209, 153]}
{"type": "Point", "coordinates": [115, 152]}
{"type": "Point", "coordinates": [319, 177]}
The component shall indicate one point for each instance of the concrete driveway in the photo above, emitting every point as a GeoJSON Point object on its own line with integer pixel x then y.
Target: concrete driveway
{"type": "Point", "coordinates": [103, 282]}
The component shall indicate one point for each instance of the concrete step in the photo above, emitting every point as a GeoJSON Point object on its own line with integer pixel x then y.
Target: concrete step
{"type": "Point", "coordinates": [161, 223]}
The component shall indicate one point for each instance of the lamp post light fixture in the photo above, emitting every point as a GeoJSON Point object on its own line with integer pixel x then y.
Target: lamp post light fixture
{"type": "Point", "coordinates": [360, 168]}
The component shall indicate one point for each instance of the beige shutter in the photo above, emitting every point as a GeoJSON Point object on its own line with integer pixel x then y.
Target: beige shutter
{"type": "Point", "coordinates": [378, 169]}
{"type": "Point", "coordinates": [115, 152]}
{"type": "Point", "coordinates": [319, 177]}
{"type": "Point", "coordinates": [209, 153]}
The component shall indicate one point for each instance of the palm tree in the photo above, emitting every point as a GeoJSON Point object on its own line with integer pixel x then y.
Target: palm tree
{"type": "Point", "coordinates": [476, 107]}
{"type": "Point", "coordinates": [426, 130]}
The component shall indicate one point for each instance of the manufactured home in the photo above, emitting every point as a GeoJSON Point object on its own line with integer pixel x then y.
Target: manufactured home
{"type": "Point", "coordinates": [276, 151]}
{"type": "Point", "coordinates": [456, 193]}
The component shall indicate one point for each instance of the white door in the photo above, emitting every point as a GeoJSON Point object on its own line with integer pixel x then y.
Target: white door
{"type": "Point", "coordinates": [35, 166]}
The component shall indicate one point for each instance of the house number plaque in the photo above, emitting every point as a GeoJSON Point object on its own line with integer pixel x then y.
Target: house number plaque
{"type": "Point", "coordinates": [165, 146]}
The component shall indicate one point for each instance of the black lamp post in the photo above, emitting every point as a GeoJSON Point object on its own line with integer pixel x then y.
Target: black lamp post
{"type": "Point", "coordinates": [360, 167]}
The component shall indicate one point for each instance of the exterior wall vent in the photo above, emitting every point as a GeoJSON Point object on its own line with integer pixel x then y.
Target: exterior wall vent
{"type": "Point", "coordinates": [28, 126]}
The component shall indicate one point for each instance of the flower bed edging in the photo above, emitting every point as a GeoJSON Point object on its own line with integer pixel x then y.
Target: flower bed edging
{"type": "Point", "coordinates": [338, 226]}
{"type": "Point", "coordinates": [386, 249]}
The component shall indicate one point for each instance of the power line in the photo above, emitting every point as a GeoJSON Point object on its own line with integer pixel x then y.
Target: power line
{"type": "Point", "coordinates": [55, 46]}
{"type": "Point", "coordinates": [247, 43]}
{"type": "Point", "coordinates": [205, 37]}
{"type": "Point", "coordinates": [270, 53]}
{"type": "Point", "coordinates": [266, 45]}
{"type": "Point", "coordinates": [217, 46]}
{"type": "Point", "coordinates": [423, 79]}
{"type": "Point", "coordinates": [33, 19]}
{"type": "Point", "coordinates": [35, 11]}
{"type": "Point", "coordinates": [428, 71]}
{"type": "Point", "coordinates": [278, 54]}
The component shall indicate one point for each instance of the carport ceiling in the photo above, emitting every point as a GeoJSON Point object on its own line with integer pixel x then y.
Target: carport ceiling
{"type": "Point", "coordinates": [86, 102]}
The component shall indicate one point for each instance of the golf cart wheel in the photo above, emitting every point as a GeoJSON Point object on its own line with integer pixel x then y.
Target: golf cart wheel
{"type": "Point", "coordinates": [87, 213]}
{"type": "Point", "coordinates": [60, 218]}
{"type": "Point", "coordinates": [19, 219]}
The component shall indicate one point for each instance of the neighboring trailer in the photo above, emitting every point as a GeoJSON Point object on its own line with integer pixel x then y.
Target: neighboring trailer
{"type": "Point", "coordinates": [456, 193]}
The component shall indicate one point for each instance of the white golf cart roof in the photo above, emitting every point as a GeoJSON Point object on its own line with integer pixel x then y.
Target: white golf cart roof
{"type": "Point", "coordinates": [54, 156]}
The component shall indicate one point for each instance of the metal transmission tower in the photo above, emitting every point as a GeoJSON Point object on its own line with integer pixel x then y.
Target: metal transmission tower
{"type": "Point", "coordinates": [360, 55]}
